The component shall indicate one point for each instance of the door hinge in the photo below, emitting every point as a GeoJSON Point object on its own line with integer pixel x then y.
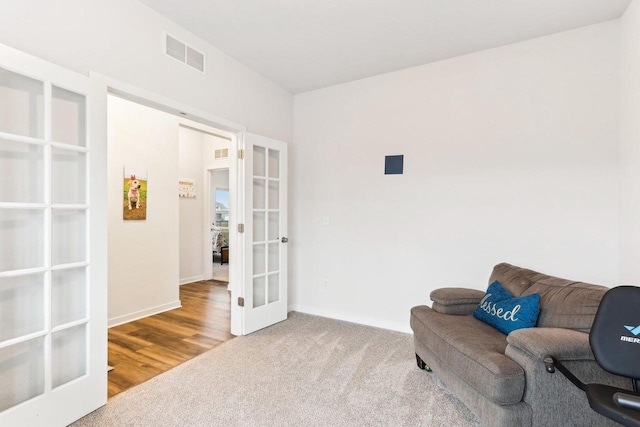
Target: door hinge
{"type": "Point", "coordinates": [240, 228]}
{"type": "Point", "coordinates": [241, 301]}
{"type": "Point", "coordinates": [241, 153]}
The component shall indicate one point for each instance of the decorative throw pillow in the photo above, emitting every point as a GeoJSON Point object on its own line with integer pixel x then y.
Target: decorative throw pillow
{"type": "Point", "coordinates": [501, 310]}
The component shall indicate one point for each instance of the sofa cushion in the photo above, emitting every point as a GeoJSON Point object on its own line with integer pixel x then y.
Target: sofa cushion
{"type": "Point", "coordinates": [514, 279]}
{"type": "Point", "coordinates": [567, 305]}
{"type": "Point", "coordinates": [501, 310]}
{"type": "Point", "coordinates": [472, 349]}
{"type": "Point", "coordinates": [563, 303]}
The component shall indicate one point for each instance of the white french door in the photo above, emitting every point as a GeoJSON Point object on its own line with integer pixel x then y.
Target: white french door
{"type": "Point", "coordinates": [265, 237]}
{"type": "Point", "coordinates": [52, 244]}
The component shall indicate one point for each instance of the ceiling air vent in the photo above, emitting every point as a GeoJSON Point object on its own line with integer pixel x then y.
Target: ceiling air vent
{"type": "Point", "coordinates": [184, 53]}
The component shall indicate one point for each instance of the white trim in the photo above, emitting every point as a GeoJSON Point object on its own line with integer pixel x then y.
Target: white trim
{"type": "Point", "coordinates": [22, 339]}
{"type": "Point", "coordinates": [349, 317]}
{"type": "Point", "coordinates": [143, 313]}
{"type": "Point", "coordinates": [69, 147]}
{"type": "Point", "coordinates": [70, 207]}
{"type": "Point", "coordinates": [33, 206]}
{"type": "Point", "coordinates": [25, 139]}
{"type": "Point", "coordinates": [206, 129]}
{"type": "Point", "coordinates": [70, 266]}
{"type": "Point", "coordinates": [191, 279]}
{"type": "Point", "coordinates": [70, 325]}
{"type": "Point", "coordinates": [23, 272]}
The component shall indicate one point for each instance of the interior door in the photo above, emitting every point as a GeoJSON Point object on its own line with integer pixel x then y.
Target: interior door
{"type": "Point", "coordinates": [52, 244]}
{"type": "Point", "coordinates": [265, 235]}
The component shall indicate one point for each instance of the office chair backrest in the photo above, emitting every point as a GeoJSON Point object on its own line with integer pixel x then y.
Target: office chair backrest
{"type": "Point", "coordinates": [615, 334]}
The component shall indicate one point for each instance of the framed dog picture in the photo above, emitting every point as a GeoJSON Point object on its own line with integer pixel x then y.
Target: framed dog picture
{"type": "Point", "coordinates": [135, 194]}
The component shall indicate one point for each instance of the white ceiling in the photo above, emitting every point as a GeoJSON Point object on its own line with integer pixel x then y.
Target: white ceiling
{"type": "Point", "coordinates": [308, 44]}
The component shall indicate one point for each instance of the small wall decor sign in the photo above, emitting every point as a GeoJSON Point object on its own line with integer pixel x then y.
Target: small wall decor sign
{"type": "Point", "coordinates": [187, 188]}
{"type": "Point", "coordinates": [394, 165]}
{"type": "Point", "coordinates": [134, 194]}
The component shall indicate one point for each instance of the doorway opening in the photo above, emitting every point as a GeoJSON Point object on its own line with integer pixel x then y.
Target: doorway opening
{"type": "Point", "coordinates": [220, 213]}
{"type": "Point", "coordinates": [205, 213]}
{"type": "Point", "coordinates": [163, 309]}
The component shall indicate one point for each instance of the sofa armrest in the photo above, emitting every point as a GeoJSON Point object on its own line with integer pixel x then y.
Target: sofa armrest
{"type": "Point", "coordinates": [562, 344]}
{"type": "Point", "coordinates": [457, 301]}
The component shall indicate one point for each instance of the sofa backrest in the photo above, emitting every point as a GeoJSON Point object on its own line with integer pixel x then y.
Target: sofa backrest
{"type": "Point", "coordinates": [563, 303]}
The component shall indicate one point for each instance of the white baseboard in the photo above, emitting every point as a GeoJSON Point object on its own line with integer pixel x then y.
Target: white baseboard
{"type": "Point", "coordinates": [191, 279]}
{"type": "Point", "coordinates": [143, 313]}
{"type": "Point", "coordinates": [353, 318]}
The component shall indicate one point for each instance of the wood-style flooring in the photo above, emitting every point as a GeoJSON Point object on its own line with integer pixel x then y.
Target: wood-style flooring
{"type": "Point", "coordinates": [144, 348]}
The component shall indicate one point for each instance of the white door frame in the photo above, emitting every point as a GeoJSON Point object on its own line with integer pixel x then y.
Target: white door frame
{"type": "Point", "coordinates": [177, 108]}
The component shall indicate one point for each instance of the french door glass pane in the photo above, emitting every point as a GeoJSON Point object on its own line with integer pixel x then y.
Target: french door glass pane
{"type": "Point", "coordinates": [274, 257]}
{"type": "Point", "coordinates": [258, 258]}
{"type": "Point", "coordinates": [259, 291]}
{"type": "Point", "coordinates": [68, 176]}
{"type": "Point", "coordinates": [274, 288]}
{"type": "Point", "coordinates": [21, 305]}
{"type": "Point", "coordinates": [258, 193]}
{"type": "Point", "coordinates": [68, 296]}
{"type": "Point", "coordinates": [22, 372]}
{"type": "Point", "coordinates": [21, 105]}
{"type": "Point", "coordinates": [68, 355]}
{"type": "Point", "coordinates": [274, 163]}
{"type": "Point", "coordinates": [21, 239]}
{"type": "Point", "coordinates": [24, 163]}
{"type": "Point", "coordinates": [68, 117]}
{"type": "Point", "coordinates": [259, 161]}
{"type": "Point", "coordinates": [274, 225]}
{"type": "Point", "coordinates": [274, 194]}
{"type": "Point", "coordinates": [259, 229]}
{"type": "Point", "coordinates": [68, 236]}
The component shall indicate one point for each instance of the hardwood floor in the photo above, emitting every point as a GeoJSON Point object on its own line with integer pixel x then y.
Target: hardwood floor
{"type": "Point", "coordinates": [144, 348]}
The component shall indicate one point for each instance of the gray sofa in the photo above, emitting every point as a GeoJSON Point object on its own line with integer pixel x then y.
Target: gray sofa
{"type": "Point", "coordinates": [501, 378]}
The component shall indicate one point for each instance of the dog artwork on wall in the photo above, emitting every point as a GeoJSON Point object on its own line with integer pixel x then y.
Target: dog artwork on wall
{"type": "Point", "coordinates": [135, 194]}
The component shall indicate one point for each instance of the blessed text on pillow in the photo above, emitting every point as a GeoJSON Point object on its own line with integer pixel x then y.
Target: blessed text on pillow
{"type": "Point", "coordinates": [501, 310]}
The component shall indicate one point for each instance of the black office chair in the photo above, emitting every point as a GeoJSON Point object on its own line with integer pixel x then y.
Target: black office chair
{"type": "Point", "coordinates": [615, 342]}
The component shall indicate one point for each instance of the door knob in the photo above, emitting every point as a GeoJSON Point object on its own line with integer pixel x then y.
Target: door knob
{"type": "Point", "coordinates": [284, 240]}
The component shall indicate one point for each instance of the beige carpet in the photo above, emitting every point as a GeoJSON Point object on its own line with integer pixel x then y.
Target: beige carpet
{"type": "Point", "coordinates": [220, 271]}
{"type": "Point", "coordinates": [305, 371]}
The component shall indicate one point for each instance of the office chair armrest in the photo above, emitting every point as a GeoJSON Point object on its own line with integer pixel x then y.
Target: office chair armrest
{"type": "Point", "coordinates": [562, 344]}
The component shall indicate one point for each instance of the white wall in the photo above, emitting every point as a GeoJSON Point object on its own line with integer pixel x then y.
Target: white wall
{"type": "Point", "coordinates": [123, 39]}
{"type": "Point", "coordinates": [630, 145]}
{"type": "Point", "coordinates": [510, 155]}
{"type": "Point", "coordinates": [212, 143]}
{"type": "Point", "coordinates": [191, 209]}
{"type": "Point", "coordinates": [143, 255]}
